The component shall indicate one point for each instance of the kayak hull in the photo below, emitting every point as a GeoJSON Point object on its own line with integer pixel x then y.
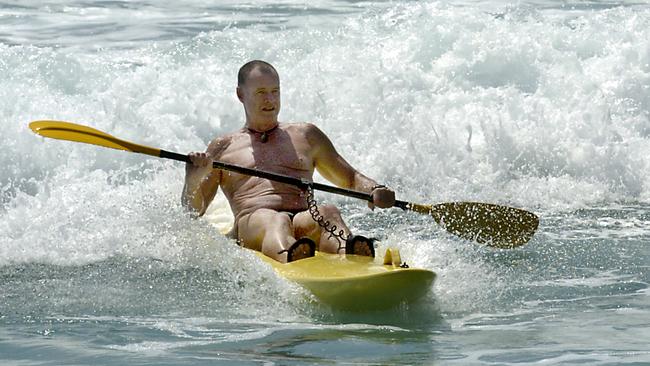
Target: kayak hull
{"type": "Point", "coordinates": [357, 283]}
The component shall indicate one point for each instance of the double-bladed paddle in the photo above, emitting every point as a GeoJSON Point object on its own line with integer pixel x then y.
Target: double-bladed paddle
{"type": "Point", "coordinates": [490, 224]}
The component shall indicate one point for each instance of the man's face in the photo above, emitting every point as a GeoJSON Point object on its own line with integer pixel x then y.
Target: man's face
{"type": "Point", "coordinates": [261, 96]}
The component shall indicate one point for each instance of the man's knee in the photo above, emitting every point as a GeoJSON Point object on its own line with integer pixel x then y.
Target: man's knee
{"type": "Point", "coordinates": [329, 211]}
{"type": "Point", "coordinates": [304, 224]}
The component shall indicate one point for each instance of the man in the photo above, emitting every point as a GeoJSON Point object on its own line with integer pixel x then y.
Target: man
{"type": "Point", "coordinates": [272, 217]}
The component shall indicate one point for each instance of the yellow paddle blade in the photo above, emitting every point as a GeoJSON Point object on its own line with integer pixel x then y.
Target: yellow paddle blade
{"type": "Point", "coordinates": [493, 225]}
{"type": "Point", "coordinates": [73, 132]}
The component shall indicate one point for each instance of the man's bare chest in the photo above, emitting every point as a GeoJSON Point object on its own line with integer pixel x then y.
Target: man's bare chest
{"type": "Point", "coordinates": [280, 154]}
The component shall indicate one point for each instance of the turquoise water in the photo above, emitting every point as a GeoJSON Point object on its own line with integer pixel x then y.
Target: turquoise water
{"type": "Point", "coordinates": [541, 105]}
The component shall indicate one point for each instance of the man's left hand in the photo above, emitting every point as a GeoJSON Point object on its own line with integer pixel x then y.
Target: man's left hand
{"type": "Point", "coordinates": [382, 197]}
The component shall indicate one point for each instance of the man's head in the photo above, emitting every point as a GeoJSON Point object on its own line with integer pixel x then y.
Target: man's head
{"type": "Point", "coordinates": [259, 65]}
{"type": "Point", "coordinates": [258, 88]}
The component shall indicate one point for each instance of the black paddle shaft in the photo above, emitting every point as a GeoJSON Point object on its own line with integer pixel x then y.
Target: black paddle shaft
{"type": "Point", "coordinates": [303, 183]}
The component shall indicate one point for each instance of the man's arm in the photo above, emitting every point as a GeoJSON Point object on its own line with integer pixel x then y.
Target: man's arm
{"type": "Point", "coordinates": [337, 170]}
{"type": "Point", "coordinates": [201, 181]}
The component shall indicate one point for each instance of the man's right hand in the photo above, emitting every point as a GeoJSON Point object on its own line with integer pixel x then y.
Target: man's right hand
{"type": "Point", "coordinates": [200, 166]}
{"type": "Point", "coordinates": [200, 159]}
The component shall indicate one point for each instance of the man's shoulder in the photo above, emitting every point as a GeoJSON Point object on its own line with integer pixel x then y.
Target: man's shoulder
{"type": "Point", "coordinates": [298, 125]}
{"type": "Point", "coordinates": [227, 138]}
{"type": "Point", "coordinates": [310, 133]}
{"type": "Point", "coordinates": [306, 128]}
{"type": "Point", "coordinates": [221, 143]}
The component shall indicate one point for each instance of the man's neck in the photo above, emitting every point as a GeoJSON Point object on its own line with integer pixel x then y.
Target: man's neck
{"type": "Point", "coordinates": [261, 126]}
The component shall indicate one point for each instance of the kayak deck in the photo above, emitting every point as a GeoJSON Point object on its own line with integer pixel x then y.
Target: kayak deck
{"type": "Point", "coordinates": [353, 282]}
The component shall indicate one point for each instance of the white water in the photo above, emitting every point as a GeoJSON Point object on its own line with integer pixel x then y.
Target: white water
{"type": "Point", "coordinates": [542, 109]}
{"type": "Point", "coordinates": [538, 105]}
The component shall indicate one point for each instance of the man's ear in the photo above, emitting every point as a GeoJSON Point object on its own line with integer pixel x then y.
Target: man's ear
{"type": "Point", "coordinates": [240, 95]}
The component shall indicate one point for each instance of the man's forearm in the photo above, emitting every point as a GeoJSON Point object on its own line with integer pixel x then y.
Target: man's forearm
{"type": "Point", "coordinates": [363, 183]}
{"type": "Point", "coordinates": [192, 197]}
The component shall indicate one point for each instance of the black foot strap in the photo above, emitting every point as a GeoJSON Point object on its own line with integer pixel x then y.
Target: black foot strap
{"type": "Point", "coordinates": [292, 250]}
{"type": "Point", "coordinates": [352, 240]}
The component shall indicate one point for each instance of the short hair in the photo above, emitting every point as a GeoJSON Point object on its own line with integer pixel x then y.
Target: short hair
{"type": "Point", "coordinates": [263, 66]}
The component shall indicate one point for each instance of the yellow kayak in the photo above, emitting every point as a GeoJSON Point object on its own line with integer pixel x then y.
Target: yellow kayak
{"type": "Point", "coordinates": [352, 282]}
{"type": "Point", "coordinates": [347, 282]}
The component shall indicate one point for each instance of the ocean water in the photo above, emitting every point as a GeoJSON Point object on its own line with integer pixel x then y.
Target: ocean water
{"type": "Point", "coordinates": [542, 105]}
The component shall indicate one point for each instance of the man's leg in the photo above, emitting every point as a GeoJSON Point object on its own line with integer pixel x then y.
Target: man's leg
{"type": "Point", "coordinates": [304, 225]}
{"type": "Point", "coordinates": [269, 232]}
